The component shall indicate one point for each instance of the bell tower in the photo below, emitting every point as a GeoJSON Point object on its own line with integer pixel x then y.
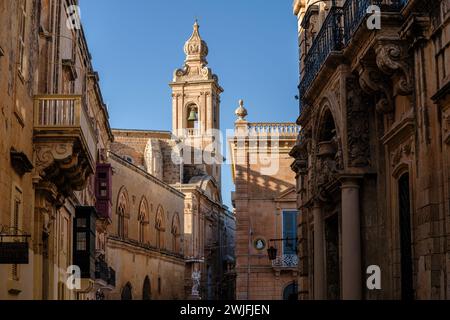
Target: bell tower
{"type": "Point", "coordinates": [196, 107]}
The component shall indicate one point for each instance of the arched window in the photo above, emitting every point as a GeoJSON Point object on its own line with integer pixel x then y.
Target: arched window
{"type": "Point", "coordinates": [176, 233]}
{"type": "Point", "coordinates": [291, 292]}
{"type": "Point", "coordinates": [143, 221]}
{"type": "Point", "coordinates": [147, 289]}
{"type": "Point", "coordinates": [406, 259]}
{"type": "Point", "coordinates": [127, 292]}
{"type": "Point", "coordinates": [122, 214]}
{"type": "Point", "coordinates": [192, 117]}
{"type": "Point", "coordinates": [160, 226]}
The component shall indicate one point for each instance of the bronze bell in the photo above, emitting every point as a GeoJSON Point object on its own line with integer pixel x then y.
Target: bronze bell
{"type": "Point", "coordinates": [193, 115]}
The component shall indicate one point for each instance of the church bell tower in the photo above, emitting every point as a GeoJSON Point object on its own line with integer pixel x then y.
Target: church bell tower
{"type": "Point", "coordinates": [196, 108]}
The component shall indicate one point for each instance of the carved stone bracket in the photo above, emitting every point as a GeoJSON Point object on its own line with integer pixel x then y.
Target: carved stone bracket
{"type": "Point", "coordinates": [391, 58]}
{"type": "Point", "coordinates": [300, 153]}
{"type": "Point", "coordinates": [402, 154]}
{"type": "Point", "coordinates": [63, 165]}
{"type": "Point", "coordinates": [446, 122]}
{"type": "Point", "coordinates": [373, 82]}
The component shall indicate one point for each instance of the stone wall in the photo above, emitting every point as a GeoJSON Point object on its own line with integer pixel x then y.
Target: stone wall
{"type": "Point", "coordinates": [136, 256]}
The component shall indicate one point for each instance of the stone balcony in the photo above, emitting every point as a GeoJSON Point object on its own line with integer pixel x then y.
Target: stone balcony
{"type": "Point", "coordinates": [191, 132]}
{"type": "Point", "coordinates": [65, 142]}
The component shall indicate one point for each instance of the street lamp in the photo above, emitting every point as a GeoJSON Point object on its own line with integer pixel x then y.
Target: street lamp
{"type": "Point", "coordinates": [272, 251]}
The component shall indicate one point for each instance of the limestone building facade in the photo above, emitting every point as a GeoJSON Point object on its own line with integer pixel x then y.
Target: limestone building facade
{"type": "Point", "coordinates": [372, 158]}
{"type": "Point", "coordinates": [54, 136]}
{"type": "Point", "coordinates": [126, 219]}
{"type": "Point", "coordinates": [188, 160]}
{"type": "Point", "coordinates": [145, 239]}
{"type": "Point", "coordinates": [265, 206]}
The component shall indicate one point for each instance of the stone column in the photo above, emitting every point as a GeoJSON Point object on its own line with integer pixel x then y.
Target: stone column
{"type": "Point", "coordinates": [319, 253]}
{"type": "Point", "coordinates": [351, 240]}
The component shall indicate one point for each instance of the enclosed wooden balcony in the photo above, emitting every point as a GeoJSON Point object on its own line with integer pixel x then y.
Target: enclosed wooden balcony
{"type": "Point", "coordinates": [65, 141]}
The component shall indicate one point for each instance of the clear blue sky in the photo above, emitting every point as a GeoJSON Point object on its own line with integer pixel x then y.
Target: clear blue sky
{"type": "Point", "coordinates": [136, 45]}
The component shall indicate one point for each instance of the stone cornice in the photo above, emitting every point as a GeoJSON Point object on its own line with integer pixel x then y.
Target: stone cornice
{"type": "Point", "coordinates": [442, 92]}
{"type": "Point", "coordinates": [131, 245]}
{"type": "Point", "coordinates": [399, 131]}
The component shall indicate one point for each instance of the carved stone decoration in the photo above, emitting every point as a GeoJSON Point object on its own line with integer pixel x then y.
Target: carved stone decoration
{"type": "Point", "coordinates": [326, 169]}
{"type": "Point", "coordinates": [47, 201]}
{"type": "Point", "coordinates": [196, 277]}
{"type": "Point", "coordinates": [446, 122]}
{"type": "Point", "coordinates": [403, 151]}
{"type": "Point", "coordinates": [357, 125]}
{"type": "Point", "coordinates": [205, 71]}
{"type": "Point", "coordinates": [181, 72]}
{"type": "Point", "coordinates": [300, 153]}
{"type": "Point", "coordinates": [338, 159]}
{"type": "Point", "coordinates": [373, 82]}
{"type": "Point", "coordinates": [46, 154]}
{"type": "Point", "coordinates": [391, 59]}
{"type": "Point", "coordinates": [63, 165]}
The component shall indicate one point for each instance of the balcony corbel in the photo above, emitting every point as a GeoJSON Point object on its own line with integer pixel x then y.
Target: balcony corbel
{"type": "Point", "coordinates": [392, 59]}
{"type": "Point", "coordinates": [373, 82]}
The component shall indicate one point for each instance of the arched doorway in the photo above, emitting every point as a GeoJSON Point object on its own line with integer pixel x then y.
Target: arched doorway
{"type": "Point", "coordinates": [127, 292]}
{"type": "Point", "coordinates": [328, 164]}
{"type": "Point", "coordinates": [147, 290]}
{"type": "Point", "coordinates": [291, 292]}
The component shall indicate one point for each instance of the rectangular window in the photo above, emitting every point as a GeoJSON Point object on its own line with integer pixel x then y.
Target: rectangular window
{"type": "Point", "coordinates": [81, 241]}
{"type": "Point", "coordinates": [290, 232]}
{"type": "Point", "coordinates": [81, 223]}
{"type": "Point", "coordinates": [22, 31]}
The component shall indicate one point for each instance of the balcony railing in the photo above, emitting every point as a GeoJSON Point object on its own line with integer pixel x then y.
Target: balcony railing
{"type": "Point", "coordinates": [286, 261]}
{"type": "Point", "coordinates": [281, 129]}
{"type": "Point", "coordinates": [328, 39]}
{"type": "Point", "coordinates": [355, 13]}
{"type": "Point", "coordinates": [64, 115]}
{"type": "Point", "coordinates": [191, 132]}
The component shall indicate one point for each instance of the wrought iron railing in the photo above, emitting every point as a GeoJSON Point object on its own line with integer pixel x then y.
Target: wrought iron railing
{"type": "Point", "coordinates": [328, 39]}
{"type": "Point", "coordinates": [286, 261]}
{"type": "Point", "coordinates": [336, 33]}
{"type": "Point", "coordinates": [356, 11]}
